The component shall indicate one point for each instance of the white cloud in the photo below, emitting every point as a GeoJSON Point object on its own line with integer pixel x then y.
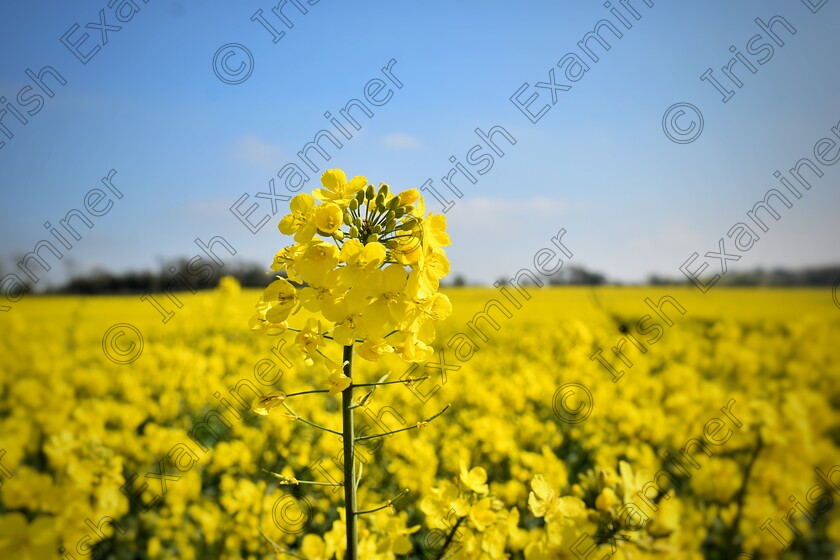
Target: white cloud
{"type": "Point", "coordinates": [400, 141]}
{"type": "Point", "coordinates": [251, 149]}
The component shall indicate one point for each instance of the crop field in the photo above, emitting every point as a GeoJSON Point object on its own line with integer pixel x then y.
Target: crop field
{"type": "Point", "coordinates": [583, 423]}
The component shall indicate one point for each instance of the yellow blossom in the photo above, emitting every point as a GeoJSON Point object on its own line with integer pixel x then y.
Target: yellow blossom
{"type": "Point", "coordinates": [337, 381]}
{"type": "Point", "coordinates": [475, 479]}
{"type": "Point", "coordinates": [328, 217]}
{"type": "Point", "coordinates": [262, 405]}
{"type": "Point", "coordinates": [300, 221]}
{"type": "Point", "coordinates": [336, 187]}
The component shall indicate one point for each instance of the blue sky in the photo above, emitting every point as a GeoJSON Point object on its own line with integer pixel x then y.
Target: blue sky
{"type": "Point", "coordinates": [186, 146]}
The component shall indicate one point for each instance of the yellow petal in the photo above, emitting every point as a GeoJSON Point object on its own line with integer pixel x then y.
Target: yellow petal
{"type": "Point", "coordinates": [333, 179]}
{"type": "Point", "coordinates": [541, 487]}
{"type": "Point", "coordinates": [350, 251]}
{"type": "Point", "coordinates": [374, 254]}
{"type": "Point", "coordinates": [393, 278]}
{"type": "Point", "coordinates": [302, 203]}
{"type": "Point", "coordinates": [287, 225]}
{"type": "Point", "coordinates": [356, 184]}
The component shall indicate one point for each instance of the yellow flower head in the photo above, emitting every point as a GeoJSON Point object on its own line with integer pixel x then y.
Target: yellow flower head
{"type": "Point", "coordinates": [366, 263]}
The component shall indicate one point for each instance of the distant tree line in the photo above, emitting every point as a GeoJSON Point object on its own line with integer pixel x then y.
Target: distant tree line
{"type": "Point", "coordinates": [251, 275]}
{"type": "Point", "coordinates": [101, 281]}
{"type": "Point", "coordinates": [568, 275]}
{"type": "Point", "coordinates": [777, 277]}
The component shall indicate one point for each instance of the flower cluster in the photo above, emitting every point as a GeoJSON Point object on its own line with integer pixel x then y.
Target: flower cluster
{"type": "Point", "coordinates": [366, 266]}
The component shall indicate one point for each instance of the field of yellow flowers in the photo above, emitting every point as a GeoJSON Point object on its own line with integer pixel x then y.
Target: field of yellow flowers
{"type": "Point", "coordinates": [123, 436]}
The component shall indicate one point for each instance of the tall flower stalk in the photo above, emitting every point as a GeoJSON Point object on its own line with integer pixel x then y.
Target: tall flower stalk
{"type": "Point", "coordinates": [365, 268]}
{"type": "Point", "coordinates": [349, 439]}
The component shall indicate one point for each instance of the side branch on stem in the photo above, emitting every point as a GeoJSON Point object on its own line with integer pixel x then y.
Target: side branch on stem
{"type": "Point", "coordinates": [420, 424]}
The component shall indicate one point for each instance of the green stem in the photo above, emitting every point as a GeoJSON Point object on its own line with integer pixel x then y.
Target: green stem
{"type": "Point", "coordinates": [374, 436]}
{"type": "Point", "coordinates": [739, 498]}
{"type": "Point", "coordinates": [349, 437]}
{"type": "Point", "coordinates": [290, 395]}
{"type": "Point", "coordinates": [450, 538]}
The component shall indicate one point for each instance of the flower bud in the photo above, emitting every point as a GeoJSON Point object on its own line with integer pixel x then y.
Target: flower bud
{"type": "Point", "coordinates": [372, 238]}
{"type": "Point", "coordinates": [390, 225]}
{"type": "Point", "coordinates": [606, 500]}
{"type": "Point", "coordinates": [376, 229]}
{"type": "Point", "coordinates": [354, 203]}
{"type": "Point", "coordinates": [369, 192]}
{"type": "Point", "coordinates": [348, 219]}
{"type": "Point", "coordinates": [354, 231]}
{"type": "Point", "coordinates": [380, 202]}
{"type": "Point", "coordinates": [360, 197]}
{"type": "Point", "coordinates": [339, 235]}
{"type": "Point", "coordinates": [383, 189]}
{"type": "Point", "coordinates": [603, 479]}
{"type": "Point", "coordinates": [358, 223]}
{"type": "Point", "coordinates": [406, 209]}
{"type": "Point", "coordinates": [394, 203]}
